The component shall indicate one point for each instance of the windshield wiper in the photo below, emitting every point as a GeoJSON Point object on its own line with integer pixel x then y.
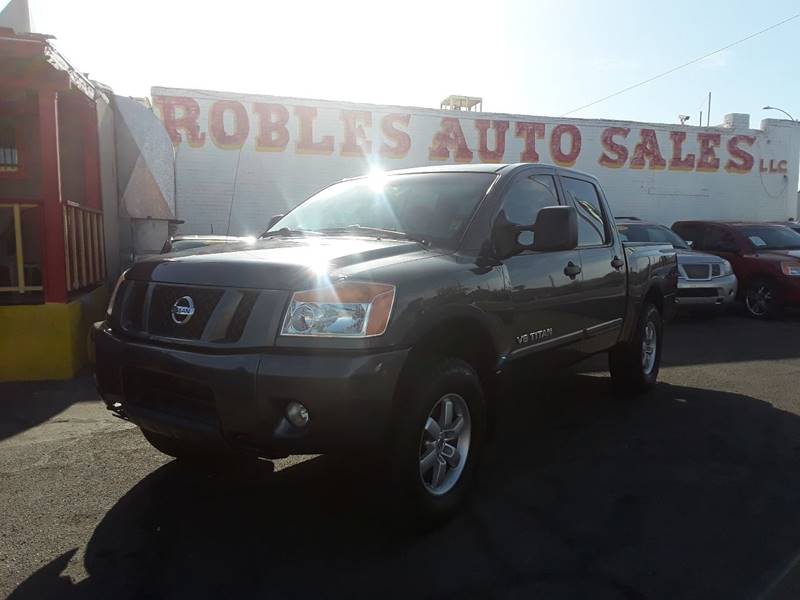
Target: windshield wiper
{"type": "Point", "coordinates": [285, 231]}
{"type": "Point", "coordinates": [377, 232]}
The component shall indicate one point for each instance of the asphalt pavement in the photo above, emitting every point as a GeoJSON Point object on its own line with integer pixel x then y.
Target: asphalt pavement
{"type": "Point", "coordinates": [691, 492]}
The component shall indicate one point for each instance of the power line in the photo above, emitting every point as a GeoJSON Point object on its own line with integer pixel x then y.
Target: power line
{"type": "Point", "coordinates": [691, 62]}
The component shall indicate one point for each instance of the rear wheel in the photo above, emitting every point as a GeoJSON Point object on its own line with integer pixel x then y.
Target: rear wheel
{"type": "Point", "coordinates": [439, 438]}
{"type": "Point", "coordinates": [760, 300]}
{"type": "Point", "coordinates": [634, 365]}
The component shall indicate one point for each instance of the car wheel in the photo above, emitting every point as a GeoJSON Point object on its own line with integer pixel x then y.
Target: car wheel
{"type": "Point", "coordinates": [439, 438]}
{"type": "Point", "coordinates": [760, 300]}
{"type": "Point", "coordinates": [634, 365]}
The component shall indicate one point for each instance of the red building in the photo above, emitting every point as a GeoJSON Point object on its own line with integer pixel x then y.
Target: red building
{"type": "Point", "coordinates": [52, 241]}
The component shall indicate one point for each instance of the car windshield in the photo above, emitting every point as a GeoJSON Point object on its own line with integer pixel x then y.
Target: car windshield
{"type": "Point", "coordinates": [657, 234]}
{"type": "Point", "coordinates": [435, 207]}
{"type": "Point", "coordinates": [179, 245]}
{"type": "Point", "coordinates": [771, 238]}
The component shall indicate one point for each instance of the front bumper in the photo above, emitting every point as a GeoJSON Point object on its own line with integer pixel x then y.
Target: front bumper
{"type": "Point", "coordinates": [718, 291]}
{"type": "Point", "coordinates": [237, 401]}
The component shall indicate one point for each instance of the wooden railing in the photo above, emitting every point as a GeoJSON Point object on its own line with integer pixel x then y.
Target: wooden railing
{"type": "Point", "coordinates": [22, 268]}
{"type": "Point", "coordinates": [85, 247]}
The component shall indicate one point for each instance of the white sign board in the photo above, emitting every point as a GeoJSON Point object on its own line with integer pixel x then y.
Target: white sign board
{"type": "Point", "coordinates": [242, 158]}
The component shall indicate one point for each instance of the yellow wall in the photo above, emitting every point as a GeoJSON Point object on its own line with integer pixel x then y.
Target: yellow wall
{"type": "Point", "coordinates": [47, 341]}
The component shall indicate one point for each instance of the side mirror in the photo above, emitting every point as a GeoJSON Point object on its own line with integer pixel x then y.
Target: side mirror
{"type": "Point", "coordinates": [274, 219]}
{"type": "Point", "coordinates": [556, 228]}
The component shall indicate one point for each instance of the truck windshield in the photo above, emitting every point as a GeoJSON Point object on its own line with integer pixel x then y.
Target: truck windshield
{"type": "Point", "coordinates": [656, 234]}
{"type": "Point", "coordinates": [772, 238]}
{"type": "Point", "coordinates": [435, 207]}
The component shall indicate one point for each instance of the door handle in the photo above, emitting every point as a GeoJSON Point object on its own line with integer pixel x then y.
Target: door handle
{"type": "Point", "coordinates": [572, 270]}
{"type": "Point", "coordinates": [617, 262]}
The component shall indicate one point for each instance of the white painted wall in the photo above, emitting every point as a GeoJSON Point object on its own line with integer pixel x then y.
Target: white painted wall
{"type": "Point", "coordinates": [218, 160]}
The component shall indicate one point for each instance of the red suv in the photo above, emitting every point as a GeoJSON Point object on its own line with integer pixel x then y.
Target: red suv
{"type": "Point", "coordinates": [765, 258]}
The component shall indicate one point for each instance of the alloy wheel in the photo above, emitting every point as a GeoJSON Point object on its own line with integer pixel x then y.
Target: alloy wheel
{"type": "Point", "coordinates": [444, 444]}
{"type": "Point", "coordinates": [649, 347]}
{"type": "Point", "coordinates": [758, 300]}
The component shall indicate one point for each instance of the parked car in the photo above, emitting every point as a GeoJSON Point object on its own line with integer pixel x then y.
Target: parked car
{"type": "Point", "coordinates": [179, 243]}
{"type": "Point", "coordinates": [704, 280]}
{"type": "Point", "coordinates": [765, 258]}
{"type": "Point", "coordinates": [385, 312]}
{"type": "Point", "coordinates": [793, 225]}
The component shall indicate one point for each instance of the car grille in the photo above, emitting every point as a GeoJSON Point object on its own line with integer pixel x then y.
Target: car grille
{"type": "Point", "coordinates": [160, 318]}
{"type": "Point", "coordinates": [698, 293]}
{"type": "Point", "coordinates": [697, 271]}
{"type": "Point", "coordinates": [146, 308]}
{"type": "Point", "coordinates": [169, 395]}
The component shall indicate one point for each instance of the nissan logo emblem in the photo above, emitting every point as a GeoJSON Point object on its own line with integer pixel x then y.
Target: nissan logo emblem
{"type": "Point", "coordinates": [182, 310]}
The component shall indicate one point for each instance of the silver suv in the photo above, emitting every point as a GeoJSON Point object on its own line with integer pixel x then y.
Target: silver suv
{"type": "Point", "coordinates": [704, 280]}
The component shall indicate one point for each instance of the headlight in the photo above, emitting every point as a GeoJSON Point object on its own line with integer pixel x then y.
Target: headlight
{"type": "Point", "coordinates": [726, 268]}
{"type": "Point", "coordinates": [113, 298]}
{"type": "Point", "coordinates": [791, 269]}
{"type": "Point", "coordinates": [344, 310]}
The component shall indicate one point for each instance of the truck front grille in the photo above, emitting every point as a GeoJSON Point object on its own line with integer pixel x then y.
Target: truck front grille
{"type": "Point", "coordinates": [697, 271]}
{"type": "Point", "coordinates": [169, 395]}
{"type": "Point", "coordinates": [144, 308]}
{"type": "Point", "coordinates": [161, 321]}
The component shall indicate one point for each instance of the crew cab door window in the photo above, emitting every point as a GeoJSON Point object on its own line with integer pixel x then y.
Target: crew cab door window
{"type": "Point", "coordinates": [544, 297]}
{"type": "Point", "coordinates": [718, 239]}
{"type": "Point", "coordinates": [525, 198]}
{"type": "Point", "coordinates": [691, 233]}
{"type": "Point", "coordinates": [592, 223]}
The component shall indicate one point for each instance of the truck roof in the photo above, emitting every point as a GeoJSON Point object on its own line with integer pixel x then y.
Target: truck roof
{"type": "Point", "coordinates": [483, 168]}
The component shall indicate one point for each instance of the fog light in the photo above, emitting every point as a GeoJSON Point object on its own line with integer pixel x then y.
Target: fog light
{"type": "Point", "coordinates": [297, 414]}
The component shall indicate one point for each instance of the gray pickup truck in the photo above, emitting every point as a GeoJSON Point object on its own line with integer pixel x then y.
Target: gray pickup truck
{"type": "Point", "coordinates": [385, 312]}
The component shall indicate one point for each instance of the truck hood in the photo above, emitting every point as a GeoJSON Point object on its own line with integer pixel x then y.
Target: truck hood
{"type": "Point", "coordinates": [778, 254]}
{"type": "Point", "coordinates": [690, 257]}
{"type": "Point", "coordinates": [275, 263]}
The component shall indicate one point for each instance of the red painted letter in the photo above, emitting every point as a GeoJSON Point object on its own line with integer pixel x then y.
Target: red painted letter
{"type": "Point", "coordinates": [500, 128]}
{"type": "Point", "coordinates": [607, 139]}
{"type": "Point", "coordinates": [354, 122]}
{"type": "Point", "coordinates": [450, 138]}
{"type": "Point", "coordinates": [560, 157]}
{"type": "Point", "coordinates": [708, 160]}
{"type": "Point", "coordinates": [216, 124]}
{"type": "Point", "coordinates": [305, 123]}
{"type": "Point", "coordinates": [402, 141]}
{"type": "Point", "coordinates": [272, 133]}
{"type": "Point", "coordinates": [647, 150]}
{"type": "Point", "coordinates": [186, 121]}
{"type": "Point", "coordinates": [530, 132]}
{"type": "Point", "coordinates": [746, 159]}
{"type": "Point", "coordinates": [678, 163]}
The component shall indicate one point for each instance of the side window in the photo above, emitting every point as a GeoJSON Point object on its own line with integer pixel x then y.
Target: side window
{"type": "Point", "coordinates": [691, 233]}
{"type": "Point", "coordinates": [592, 226]}
{"type": "Point", "coordinates": [527, 196]}
{"type": "Point", "coordinates": [718, 239]}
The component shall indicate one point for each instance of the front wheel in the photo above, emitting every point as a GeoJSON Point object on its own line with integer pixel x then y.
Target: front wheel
{"type": "Point", "coordinates": [439, 437]}
{"type": "Point", "coordinates": [634, 365]}
{"type": "Point", "coordinates": [760, 300]}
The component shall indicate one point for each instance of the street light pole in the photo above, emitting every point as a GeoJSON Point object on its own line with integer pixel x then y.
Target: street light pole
{"type": "Point", "coordinates": [781, 110]}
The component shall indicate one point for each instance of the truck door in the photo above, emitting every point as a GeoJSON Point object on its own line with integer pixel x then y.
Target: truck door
{"type": "Point", "coordinates": [545, 286]}
{"type": "Point", "coordinates": [603, 289]}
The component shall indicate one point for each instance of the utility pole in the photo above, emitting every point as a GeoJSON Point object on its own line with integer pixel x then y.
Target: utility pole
{"type": "Point", "coordinates": [708, 116]}
{"type": "Point", "coordinates": [700, 122]}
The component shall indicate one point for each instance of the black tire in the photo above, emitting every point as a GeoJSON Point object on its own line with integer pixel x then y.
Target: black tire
{"type": "Point", "coordinates": [630, 372]}
{"type": "Point", "coordinates": [761, 300]}
{"type": "Point", "coordinates": [427, 389]}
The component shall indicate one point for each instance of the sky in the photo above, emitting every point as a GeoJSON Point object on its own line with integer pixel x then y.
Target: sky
{"type": "Point", "coordinates": [537, 57]}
